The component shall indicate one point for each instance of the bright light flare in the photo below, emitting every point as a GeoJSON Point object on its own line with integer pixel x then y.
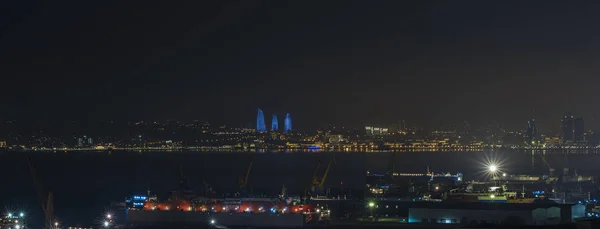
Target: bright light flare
{"type": "Point", "coordinates": [212, 221]}
{"type": "Point", "coordinates": [106, 223]}
{"type": "Point", "coordinates": [108, 216]}
{"type": "Point", "coordinates": [492, 165]}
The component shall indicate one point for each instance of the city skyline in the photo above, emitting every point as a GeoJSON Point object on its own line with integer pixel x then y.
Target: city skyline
{"type": "Point", "coordinates": [433, 68]}
{"type": "Point", "coordinates": [552, 127]}
{"type": "Point", "coordinates": [299, 114]}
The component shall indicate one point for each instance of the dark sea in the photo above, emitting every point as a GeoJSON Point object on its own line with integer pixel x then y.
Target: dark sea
{"type": "Point", "coordinates": [84, 183]}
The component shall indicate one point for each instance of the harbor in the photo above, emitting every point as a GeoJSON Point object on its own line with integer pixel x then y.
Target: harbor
{"type": "Point", "coordinates": [322, 189]}
{"type": "Point", "coordinates": [388, 198]}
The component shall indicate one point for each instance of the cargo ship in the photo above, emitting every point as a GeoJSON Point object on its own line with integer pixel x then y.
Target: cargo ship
{"type": "Point", "coordinates": [185, 208]}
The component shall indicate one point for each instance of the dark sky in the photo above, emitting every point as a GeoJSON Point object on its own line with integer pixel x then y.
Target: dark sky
{"type": "Point", "coordinates": [341, 62]}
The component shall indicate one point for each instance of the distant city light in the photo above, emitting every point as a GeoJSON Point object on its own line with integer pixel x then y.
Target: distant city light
{"type": "Point", "coordinates": [371, 204]}
{"type": "Point", "coordinates": [21, 214]}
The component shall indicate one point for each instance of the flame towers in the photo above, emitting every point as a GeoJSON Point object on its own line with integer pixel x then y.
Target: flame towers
{"type": "Point", "coordinates": [261, 126]}
{"type": "Point", "coordinates": [287, 123]}
{"type": "Point", "coordinates": [260, 122]}
{"type": "Point", "coordinates": [274, 123]}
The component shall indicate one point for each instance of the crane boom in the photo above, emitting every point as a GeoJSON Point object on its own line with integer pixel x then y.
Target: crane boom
{"type": "Point", "coordinates": [248, 173]}
{"type": "Point", "coordinates": [550, 169]}
{"type": "Point", "coordinates": [315, 179]}
{"type": "Point", "coordinates": [244, 180]}
{"type": "Point", "coordinates": [392, 167]}
{"type": "Point", "coordinates": [38, 186]}
{"type": "Point", "coordinates": [46, 202]}
{"type": "Point", "coordinates": [326, 172]}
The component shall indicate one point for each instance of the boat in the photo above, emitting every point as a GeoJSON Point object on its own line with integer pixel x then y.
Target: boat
{"type": "Point", "coordinates": [185, 208]}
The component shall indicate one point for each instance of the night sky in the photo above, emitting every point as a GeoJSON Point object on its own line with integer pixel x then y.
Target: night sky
{"type": "Point", "coordinates": [340, 62]}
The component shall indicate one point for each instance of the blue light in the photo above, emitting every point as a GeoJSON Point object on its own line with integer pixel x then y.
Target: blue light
{"type": "Point", "coordinates": [260, 122]}
{"type": "Point", "coordinates": [140, 197]}
{"type": "Point", "coordinates": [274, 123]}
{"type": "Point", "coordinates": [287, 123]}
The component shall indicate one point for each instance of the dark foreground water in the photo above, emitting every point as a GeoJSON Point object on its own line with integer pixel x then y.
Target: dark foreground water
{"type": "Point", "coordinates": [84, 183]}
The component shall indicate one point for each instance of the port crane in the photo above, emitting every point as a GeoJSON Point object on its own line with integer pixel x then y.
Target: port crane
{"type": "Point", "coordinates": [244, 179]}
{"type": "Point", "coordinates": [326, 173]}
{"type": "Point", "coordinates": [317, 184]}
{"type": "Point", "coordinates": [392, 166]}
{"type": "Point", "coordinates": [315, 178]}
{"type": "Point", "coordinates": [46, 201]}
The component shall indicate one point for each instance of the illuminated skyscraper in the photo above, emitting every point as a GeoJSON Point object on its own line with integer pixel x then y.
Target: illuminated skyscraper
{"type": "Point", "coordinates": [274, 124]}
{"type": "Point", "coordinates": [567, 128]}
{"type": "Point", "coordinates": [531, 132]}
{"type": "Point", "coordinates": [287, 123]}
{"type": "Point", "coordinates": [260, 122]}
{"type": "Point", "coordinates": [578, 130]}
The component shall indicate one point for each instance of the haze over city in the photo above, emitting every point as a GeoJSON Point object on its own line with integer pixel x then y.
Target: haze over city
{"type": "Point", "coordinates": [346, 63]}
{"type": "Point", "coordinates": [299, 114]}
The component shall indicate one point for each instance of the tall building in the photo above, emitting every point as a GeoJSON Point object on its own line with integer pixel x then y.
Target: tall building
{"type": "Point", "coordinates": [567, 128]}
{"type": "Point", "coordinates": [578, 132]}
{"type": "Point", "coordinates": [260, 122]}
{"type": "Point", "coordinates": [287, 123]}
{"type": "Point", "coordinates": [531, 131]}
{"type": "Point", "coordinates": [274, 123]}
{"type": "Point", "coordinates": [371, 130]}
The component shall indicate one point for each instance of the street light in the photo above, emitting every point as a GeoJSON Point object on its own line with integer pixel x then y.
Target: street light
{"type": "Point", "coordinates": [493, 168]}
{"type": "Point", "coordinates": [106, 223]}
{"type": "Point", "coordinates": [21, 214]}
{"type": "Point", "coordinates": [212, 221]}
{"type": "Point", "coordinates": [371, 205]}
{"type": "Point", "coordinates": [108, 216]}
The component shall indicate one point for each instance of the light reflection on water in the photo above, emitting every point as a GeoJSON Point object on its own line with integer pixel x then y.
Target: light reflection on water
{"type": "Point", "coordinates": [83, 183]}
